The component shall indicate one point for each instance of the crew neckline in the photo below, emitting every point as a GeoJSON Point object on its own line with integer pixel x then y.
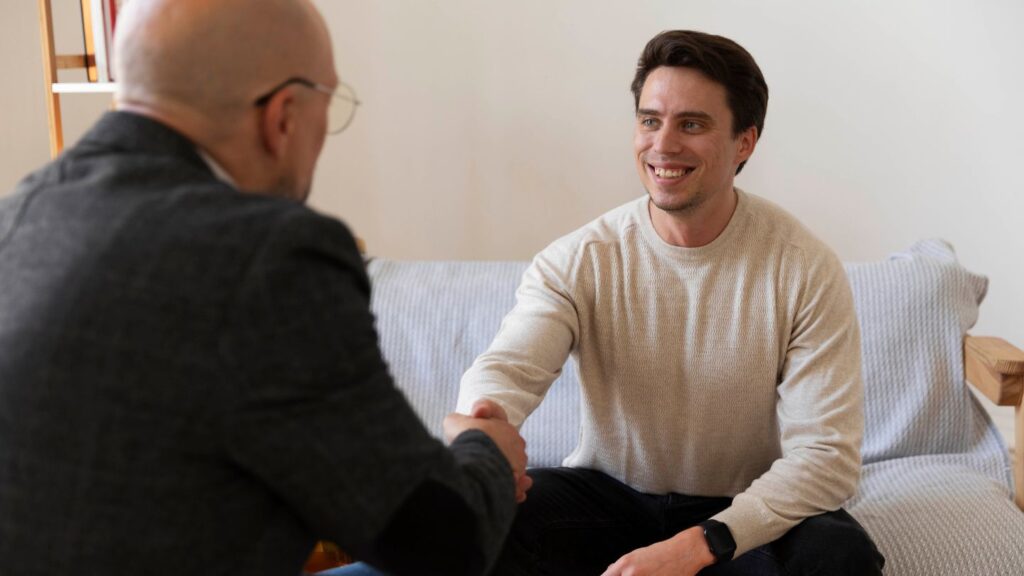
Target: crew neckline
{"type": "Point", "coordinates": [643, 214]}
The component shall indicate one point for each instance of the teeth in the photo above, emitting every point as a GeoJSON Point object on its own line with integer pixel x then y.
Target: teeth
{"type": "Point", "coordinates": [666, 173]}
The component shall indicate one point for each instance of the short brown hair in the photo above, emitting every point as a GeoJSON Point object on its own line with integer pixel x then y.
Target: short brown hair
{"type": "Point", "coordinates": [718, 58]}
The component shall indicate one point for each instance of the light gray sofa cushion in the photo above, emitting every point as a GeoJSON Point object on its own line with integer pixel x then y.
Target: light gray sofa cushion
{"type": "Point", "coordinates": [914, 309]}
{"type": "Point", "coordinates": [941, 515]}
{"type": "Point", "coordinates": [935, 488]}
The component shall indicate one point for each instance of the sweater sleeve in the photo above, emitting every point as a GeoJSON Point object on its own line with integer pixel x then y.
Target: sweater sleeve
{"type": "Point", "coordinates": [317, 419]}
{"type": "Point", "coordinates": [533, 343]}
{"type": "Point", "coordinates": [820, 414]}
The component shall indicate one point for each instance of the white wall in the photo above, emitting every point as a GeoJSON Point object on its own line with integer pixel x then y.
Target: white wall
{"type": "Point", "coordinates": [490, 128]}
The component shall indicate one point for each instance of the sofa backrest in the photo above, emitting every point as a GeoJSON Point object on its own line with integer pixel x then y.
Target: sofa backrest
{"type": "Point", "coordinates": [914, 308]}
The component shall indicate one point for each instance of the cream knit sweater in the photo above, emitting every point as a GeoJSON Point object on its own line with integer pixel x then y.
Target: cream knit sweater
{"type": "Point", "coordinates": [732, 369]}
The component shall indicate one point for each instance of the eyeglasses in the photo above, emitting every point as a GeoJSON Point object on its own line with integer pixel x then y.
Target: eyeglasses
{"type": "Point", "coordinates": [341, 109]}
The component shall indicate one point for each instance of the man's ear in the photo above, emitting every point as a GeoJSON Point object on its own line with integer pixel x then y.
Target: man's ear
{"type": "Point", "coordinates": [747, 142]}
{"type": "Point", "coordinates": [278, 122]}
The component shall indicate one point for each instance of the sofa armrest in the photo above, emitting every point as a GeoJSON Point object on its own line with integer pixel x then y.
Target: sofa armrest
{"type": "Point", "coordinates": [996, 368]}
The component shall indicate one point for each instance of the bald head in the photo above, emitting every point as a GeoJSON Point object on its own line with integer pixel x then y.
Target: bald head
{"type": "Point", "coordinates": [212, 59]}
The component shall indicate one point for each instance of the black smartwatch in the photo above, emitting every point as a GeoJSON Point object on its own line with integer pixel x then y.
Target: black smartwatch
{"type": "Point", "coordinates": [720, 540]}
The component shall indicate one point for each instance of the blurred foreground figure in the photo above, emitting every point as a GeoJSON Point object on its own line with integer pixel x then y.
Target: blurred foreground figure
{"type": "Point", "coordinates": [189, 375]}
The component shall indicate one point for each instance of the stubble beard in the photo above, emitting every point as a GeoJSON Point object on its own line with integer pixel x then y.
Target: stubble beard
{"type": "Point", "coordinates": [687, 205]}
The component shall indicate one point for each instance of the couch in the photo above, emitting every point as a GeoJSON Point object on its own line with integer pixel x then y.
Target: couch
{"type": "Point", "coordinates": [936, 491]}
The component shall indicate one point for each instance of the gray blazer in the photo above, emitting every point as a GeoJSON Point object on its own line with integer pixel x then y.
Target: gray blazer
{"type": "Point", "coordinates": [190, 383]}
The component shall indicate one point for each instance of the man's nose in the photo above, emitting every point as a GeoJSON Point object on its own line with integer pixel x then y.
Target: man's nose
{"type": "Point", "coordinates": [667, 141]}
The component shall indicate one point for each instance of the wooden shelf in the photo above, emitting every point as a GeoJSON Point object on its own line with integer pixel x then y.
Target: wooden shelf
{"type": "Point", "coordinates": [84, 87]}
{"type": "Point", "coordinates": [53, 62]}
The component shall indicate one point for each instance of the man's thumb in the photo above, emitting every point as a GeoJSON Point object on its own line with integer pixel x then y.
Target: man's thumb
{"type": "Point", "coordinates": [488, 409]}
{"type": "Point", "coordinates": [481, 409]}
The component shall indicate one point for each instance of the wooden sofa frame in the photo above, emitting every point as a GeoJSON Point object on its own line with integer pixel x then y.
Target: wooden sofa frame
{"type": "Point", "coordinates": [996, 368]}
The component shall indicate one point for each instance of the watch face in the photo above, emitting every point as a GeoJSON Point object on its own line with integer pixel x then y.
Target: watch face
{"type": "Point", "coordinates": [720, 540]}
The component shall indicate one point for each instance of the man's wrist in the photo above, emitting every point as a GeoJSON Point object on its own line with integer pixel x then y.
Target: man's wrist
{"type": "Point", "coordinates": [691, 543]}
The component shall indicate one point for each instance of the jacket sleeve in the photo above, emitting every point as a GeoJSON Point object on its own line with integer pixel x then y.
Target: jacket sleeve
{"type": "Point", "coordinates": [317, 418]}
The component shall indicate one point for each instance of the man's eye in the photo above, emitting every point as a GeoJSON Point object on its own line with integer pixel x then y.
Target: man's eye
{"type": "Point", "coordinates": [692, 126]}
{"type": "Point", "coordinates": [649, 122]}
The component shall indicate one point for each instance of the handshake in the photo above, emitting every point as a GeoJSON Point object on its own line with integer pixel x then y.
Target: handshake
{"type": "Point", "coordinates": [491, 419]}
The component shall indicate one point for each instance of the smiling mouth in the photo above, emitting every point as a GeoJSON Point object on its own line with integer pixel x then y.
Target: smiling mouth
{"type": "Point", "coordinates": [669, 173]}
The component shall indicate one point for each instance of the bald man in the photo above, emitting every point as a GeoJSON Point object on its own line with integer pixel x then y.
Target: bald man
{"type": "Point", "coordinates": [189, 375]}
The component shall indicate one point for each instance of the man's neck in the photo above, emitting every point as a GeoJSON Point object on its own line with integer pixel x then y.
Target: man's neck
{"type": "Point", "coordinates": [226, 150]}
{"type": "Point", "coordinates": [697, 227]}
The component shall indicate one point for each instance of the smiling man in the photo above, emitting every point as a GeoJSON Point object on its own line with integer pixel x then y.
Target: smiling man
{"type": "Point", "coordinates": [718, 354]}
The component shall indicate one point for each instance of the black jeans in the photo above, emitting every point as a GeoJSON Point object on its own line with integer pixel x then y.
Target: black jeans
{"type": "Point", "coordinates": [578, 522]}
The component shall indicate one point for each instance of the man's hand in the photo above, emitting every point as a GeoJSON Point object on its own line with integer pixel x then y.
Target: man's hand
{"type": "Point", "coordinates": [485, 408]}
{"type": "Point", "coordinates": [490, 418]}
{"type": "Point", "coordinates": [489, 409]}
{"type": "Point", "coordinates": [684, 554]}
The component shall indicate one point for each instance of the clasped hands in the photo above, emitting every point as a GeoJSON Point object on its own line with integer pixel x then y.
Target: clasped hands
{"type": "Point", "coordinates": [491, 419]}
